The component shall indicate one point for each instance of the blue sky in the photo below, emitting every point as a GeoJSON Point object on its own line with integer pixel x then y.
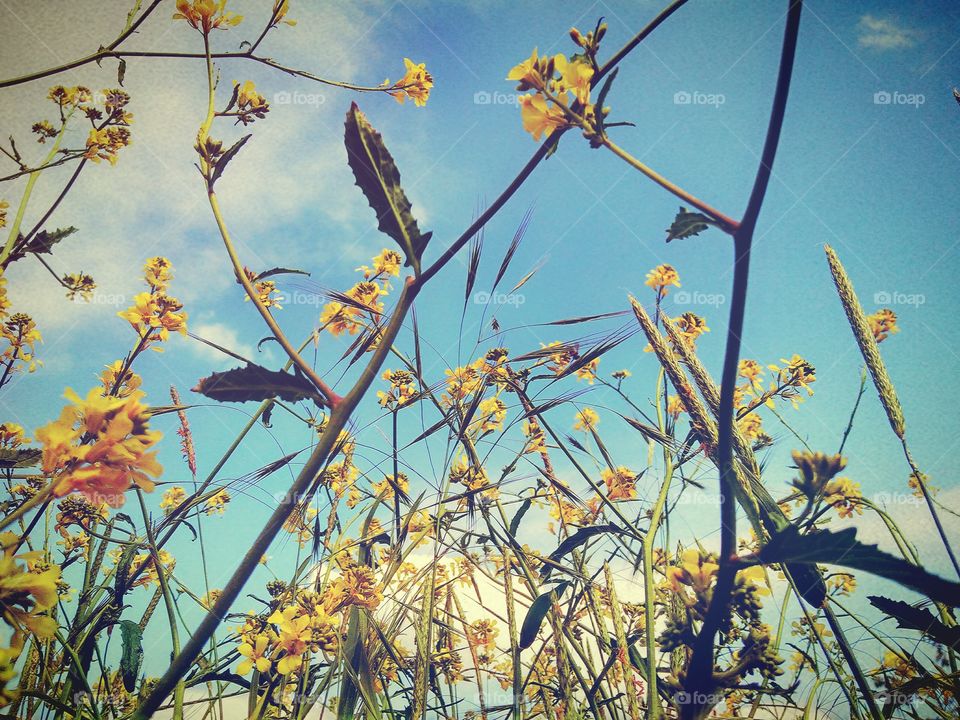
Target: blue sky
{"type": "Point", "coordinates": [876, 180]}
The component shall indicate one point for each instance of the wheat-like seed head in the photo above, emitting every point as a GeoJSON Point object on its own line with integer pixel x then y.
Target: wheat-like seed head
{"type": "Point", "coordinates": [867, 342]}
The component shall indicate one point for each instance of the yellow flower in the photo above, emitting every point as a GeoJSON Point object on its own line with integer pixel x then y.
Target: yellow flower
{"type": "Point", "coordinates": [337, 318]}
{"type": "Point", "coordinates": [586, 419]}
{"type": "Point", "coordinates": [533, 72]}
{"type": "Point", "coordinates": [402, 390]}
{"type": "Point", "coordinates": [539, 118]}
{"type": "Point", "coordinates": [158, 272]}
{"type": "Point", "coordinates": [589, 371]}
{"type": "Point", "coordinates": [621, 485]}
{"type": "Point", "coordinates": [3, 213]}
{"type": "Point", "coordinates": [662, 276]}
{"type": "Point", "coordinates": [99, 447]}
{"type": "Point", "coordinates": [217, 503]}
{"type": "Point", "coordinates": [280, 9]}
{"type": "Point", "coordinates": [696, 571]}
{"type": "Point", "coordinates": [105, 143]}
{"type": "Point", "coordinates": [22, 336]}
{"type": "Point", "coordinates": [26, 590]}
{"type": "Point", "coordinates": [574, 78]}
{"type": "Point", "coordinates": [844, 495]}
{"type": "Point", "coordinates": [12, 436]}
{"type": "Point", "coordinates": [112, 385]}
{"type": "Point", "coordinates": [691, 326]}
{"type": "Point", "coordinates": [172, 499]}
{"type": "Point", "coordinates": [415, 84]}
{"type": "Point", "coordinates": [206, 15]}
{"type": "Point", "coordinates": [675, 406]}
{"type": "Point", "coordinates": [883, 324]}
{"type": "Point", "coordinates": [250, 104]}
{"type": "Point", "coordinates": [387, 263]}
{"type": "Point", "coordinates": [255, 653]}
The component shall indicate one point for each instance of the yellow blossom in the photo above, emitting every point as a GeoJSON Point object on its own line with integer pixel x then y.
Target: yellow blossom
{"type": "Point", "coordinates": [586, 419]}
{"type": "Point", "coordinates": [661, 277]}
{"type": "Point", "coordinates": [206, 15]}
{"type": "Point", "coordinates": [415, 84]}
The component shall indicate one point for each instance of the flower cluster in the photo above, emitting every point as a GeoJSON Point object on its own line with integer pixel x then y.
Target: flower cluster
{"type": "Point", "coordinates": [100, 446]}
{"type": "Point", "coordinates": [402, 390]}
{"type": "Point", "coordinates": [883, 324]}
{"type": "Point", "coordinates": [415, 84]}
{"type": "Point", "coordinates": [349, 311]}
{"type": "Point", "coordinates": [154, 314]}
{"type": "Point", "coordinates": [560, 97]}
{"type": "Point", "coordinates": [206, 15]}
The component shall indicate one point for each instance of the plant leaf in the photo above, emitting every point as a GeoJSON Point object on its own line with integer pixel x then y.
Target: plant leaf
{"type": "Point", "coordinates": [42, 243]}
{"type": "Point", "coordinates": [575, 541]}
{"type": "Point", "coordinates": [687, 224]}
{"type": "Point", "coordinates": [914, 618]}
{"type": "Point", "coordinates": [254, 382]}
{"type": "Point", "coordinates": [23, 458]}
{"type": "Point", "coordinates": [227, 156]}
{"type": "Point", "coordinates": [843, 548]}
{"type": "Point", "coordinates": [379, 179]}
{"type": "Point", "coordinates": [131, 657]}
{"type": "Point", "coordinates": [279, 271]}
{"type": "Point", "coordinates": [536, 613]}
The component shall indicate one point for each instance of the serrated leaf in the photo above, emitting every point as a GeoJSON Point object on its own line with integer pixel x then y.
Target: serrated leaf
{"type": "Point", "coordinates": [25, 457]}
{"type": "Point", "coordinates": [914, 618]}
{"type": "Point", "coordinates": [687, 224]}
{"type": "Point", "coordinates": [227, 156]}
{"type": "Point", "coordinates": [254, 382]}
{"type": "Point", "coordinates": [536, 613]}
{"type": "Point", "coordinates": [42, 243]}
{"type": "Point", "coordinates": [131, 657]}
{"type": "Point", "coordinates": [842, 548]}
{"type": "Point", "coordinates": [379, 179]}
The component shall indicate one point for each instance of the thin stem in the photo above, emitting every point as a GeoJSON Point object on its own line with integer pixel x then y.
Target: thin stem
{"type": "Point", "coordinates": [700, 673]}
{"type": "Point", "coordinates": [728, 225]}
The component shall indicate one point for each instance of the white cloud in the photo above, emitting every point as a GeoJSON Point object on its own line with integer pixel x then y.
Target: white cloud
{"type": "Point", "coordinates": [224, 336]}
{"type": "Point", "coordinates": [884, 34]}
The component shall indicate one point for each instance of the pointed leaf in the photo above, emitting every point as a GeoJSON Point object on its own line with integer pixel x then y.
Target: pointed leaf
{"type": "Point", "coordinates": [379, 179]}
{"type": "Point", "coordinates": [536, 613]}
{"type": "Point", "coordinates": [254, 382]}
{"type": "Point", "coordinates": [843, 548]}
{"type": "Point", "coordinates": [687, 224]}
{"type": "Point", "coordinates": [131, 657]}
